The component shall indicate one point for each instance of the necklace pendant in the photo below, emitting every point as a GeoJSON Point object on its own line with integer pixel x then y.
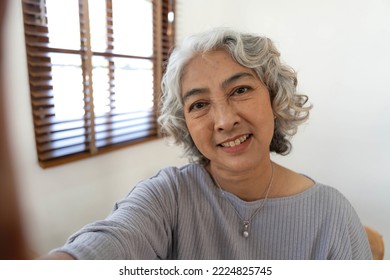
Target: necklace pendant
{"type": "Point", "coordinates": [245, 232]}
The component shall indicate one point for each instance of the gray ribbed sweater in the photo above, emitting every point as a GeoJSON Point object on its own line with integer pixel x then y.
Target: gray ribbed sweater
{"type": "Point", "coordinates": [181, 214]}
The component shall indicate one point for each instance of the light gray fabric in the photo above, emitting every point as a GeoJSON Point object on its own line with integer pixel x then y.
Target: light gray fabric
{"type": "Point", "coordinates": [181, 214]}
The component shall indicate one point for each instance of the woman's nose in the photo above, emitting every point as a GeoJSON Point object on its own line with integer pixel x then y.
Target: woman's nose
{"type": "Point", "coordinates": [226, 117]}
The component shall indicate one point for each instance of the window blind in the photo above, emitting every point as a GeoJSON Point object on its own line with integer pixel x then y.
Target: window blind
{"type": "Point", "coordinates": [94, 73]}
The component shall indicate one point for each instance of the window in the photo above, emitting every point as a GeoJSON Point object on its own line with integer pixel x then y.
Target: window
{"type": "Point", "coordinates": [94, 73]}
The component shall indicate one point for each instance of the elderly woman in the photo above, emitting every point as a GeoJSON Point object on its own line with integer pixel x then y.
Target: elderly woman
{"type": "Point", "coordinates": [230, 102]}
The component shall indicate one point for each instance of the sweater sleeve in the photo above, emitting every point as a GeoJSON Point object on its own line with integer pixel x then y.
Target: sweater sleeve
{"type": "Point", "coordinates": [140, 226]}
{"type": "Point", "coordinates": [350, 239]}
{"type": "Point", "coordinates": [360, 247]}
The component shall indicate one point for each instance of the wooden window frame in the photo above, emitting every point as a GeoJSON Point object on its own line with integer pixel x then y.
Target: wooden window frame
{"type": "Point", "coordinates": [142, 125]}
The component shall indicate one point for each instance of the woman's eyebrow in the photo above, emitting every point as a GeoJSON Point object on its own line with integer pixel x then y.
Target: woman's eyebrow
{"type": "Point", "coordinates": [224, 84]}
{"type": "Point", "coordinates": [192, 92]}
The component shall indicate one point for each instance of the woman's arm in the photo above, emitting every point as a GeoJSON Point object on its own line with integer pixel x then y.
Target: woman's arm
{"type": "Point", "coordinates": [57, 256]}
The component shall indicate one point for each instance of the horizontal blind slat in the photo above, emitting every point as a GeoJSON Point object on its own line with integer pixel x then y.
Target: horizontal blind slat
{"type": "Point", "coordinates": [54, 154]}
{"type": "Point", "coordinates": [135, 136]}
{"type": "Point", "coordinates": [61, 126]}
{"type": "Point", "coordinates": [60, 144]}
{"type": "Point", "coordinates": [125, 131]}
{"type": "Point", "coordinates": [67, 134]}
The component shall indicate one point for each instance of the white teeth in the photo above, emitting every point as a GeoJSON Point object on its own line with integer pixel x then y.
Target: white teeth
{"type": "Point", "coordinates": [236, 142]}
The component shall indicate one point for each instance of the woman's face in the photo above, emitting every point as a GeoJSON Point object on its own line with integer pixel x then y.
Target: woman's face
{"type": "Point", "coordinates": [227, 111]}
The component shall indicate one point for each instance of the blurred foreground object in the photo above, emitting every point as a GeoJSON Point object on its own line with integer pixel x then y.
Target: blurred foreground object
{"type": "Point", "coordinates": [12, 241]}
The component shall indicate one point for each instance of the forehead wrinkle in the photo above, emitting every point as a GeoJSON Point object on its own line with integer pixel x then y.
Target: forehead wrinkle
{"type": "Point", "coordinates": [236, 77]}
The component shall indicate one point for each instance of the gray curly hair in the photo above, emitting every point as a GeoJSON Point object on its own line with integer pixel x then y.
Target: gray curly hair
{"type": "Point", "coordinates": [251, 51]}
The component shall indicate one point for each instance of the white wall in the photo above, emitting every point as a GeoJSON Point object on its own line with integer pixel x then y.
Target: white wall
{"type": "Point", "coordinates": [57, 201]}
{"type": "Point", "coordinates": [341, 50]}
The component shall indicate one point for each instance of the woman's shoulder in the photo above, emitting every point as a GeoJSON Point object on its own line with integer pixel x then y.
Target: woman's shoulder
{"type": "Point", "coordinates": [188, 172]}
{"type": "Point", "coordinates": [174, 177]}
{"type": "Point", "coordinates": [318, 191]}
{"type": "Point", "coordinates": [163, 187]}
{"type": "Point", "coordinates": [325, 199]}
{"type": "Point", "coordinates": [171, 185]}
{"type": "Point", "coordinates": [297, 186]}
{"type": "Point", "coordinates": [300, 188]}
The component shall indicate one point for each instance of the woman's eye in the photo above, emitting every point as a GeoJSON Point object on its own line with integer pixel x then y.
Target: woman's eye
{"type": "Point", "coordinates": [197, 106]}
{"type": "Point", "coordinates": [241, 90]}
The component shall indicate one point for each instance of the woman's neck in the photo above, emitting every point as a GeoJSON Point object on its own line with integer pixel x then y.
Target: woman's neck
{"type": "Point", "coordinates": [249, 185]}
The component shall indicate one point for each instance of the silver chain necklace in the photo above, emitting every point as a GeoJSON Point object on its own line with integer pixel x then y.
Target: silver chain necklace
{"type": "Point", "coordinates": [246, 222]}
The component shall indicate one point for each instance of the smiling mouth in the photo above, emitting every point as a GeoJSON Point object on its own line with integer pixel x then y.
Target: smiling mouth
{"type": "Point", "coordinates": [236, 142]}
